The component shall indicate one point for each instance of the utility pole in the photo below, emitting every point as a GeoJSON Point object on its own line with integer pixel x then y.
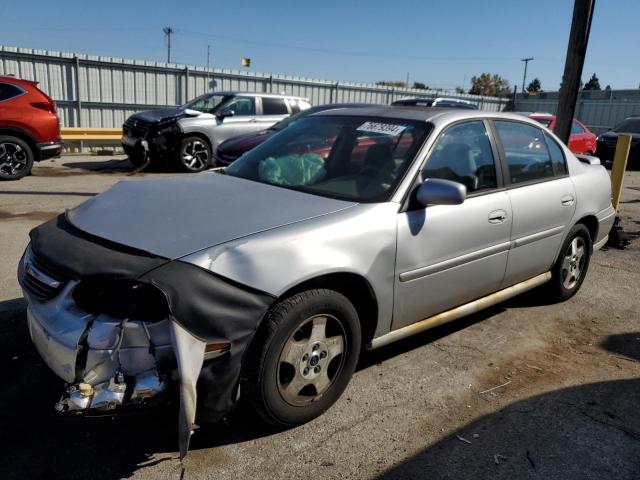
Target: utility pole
{"type": "Point", "coordinates": [524, 77]}
{"type": "Point", "coordinates": [168, 31]}
{"type": "Point", "coordinates": [576, 51]}
{"type": "Point", "coordinates": [407, 83]}
{"type": "Point", "coordinates": [208, 58]}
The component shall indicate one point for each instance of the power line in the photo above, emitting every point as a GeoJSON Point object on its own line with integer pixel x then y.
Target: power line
{"type": "Point", "coordinates": [352, 53]}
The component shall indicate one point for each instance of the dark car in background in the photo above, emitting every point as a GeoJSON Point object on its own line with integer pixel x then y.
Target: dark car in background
{"type": "Point", "coordinates": [29, 127]}
{"type": "Point", "coordinates": [232, 149]}
{"type": "Point", "coordinates": [606, 143]}
{"type": "Point", "coordinates": [441, 102]}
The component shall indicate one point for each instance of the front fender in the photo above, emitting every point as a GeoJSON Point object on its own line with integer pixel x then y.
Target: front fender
{"type": "Point", "coordinates": [360, 240]}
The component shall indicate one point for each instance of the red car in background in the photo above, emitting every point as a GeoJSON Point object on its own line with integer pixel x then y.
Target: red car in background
{"type": "Point", "coordinates": [29, 127]}
{"type": "Point", "coordinates": [581, 140]}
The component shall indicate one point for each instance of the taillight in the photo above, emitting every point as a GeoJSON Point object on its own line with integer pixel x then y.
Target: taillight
{"type": "Point", "coordinates": [49, 106]}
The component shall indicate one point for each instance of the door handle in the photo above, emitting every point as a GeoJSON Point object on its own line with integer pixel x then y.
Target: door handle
{"type": "Point", "coordinates": [567, 200]}
{"type": "Point", "coordinates": [497, 216]}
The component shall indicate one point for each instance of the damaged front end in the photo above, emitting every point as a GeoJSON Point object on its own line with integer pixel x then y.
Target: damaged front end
{"type": "Point", "coordinates": [127, 329]}
{"type": "Point", "coordinates": [110, 341]}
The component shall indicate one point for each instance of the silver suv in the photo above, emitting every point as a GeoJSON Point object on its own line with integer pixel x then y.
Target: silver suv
{"type": "Point", "coordinates": [186, 135]}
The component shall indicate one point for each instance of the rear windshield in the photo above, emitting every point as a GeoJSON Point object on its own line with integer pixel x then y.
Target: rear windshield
{"type": "Point", "coordinates": [353, 158]}
{"type": "Point", "coordinates": [630, 125]}
{"type": "Point", "coordinates": [545, 122]}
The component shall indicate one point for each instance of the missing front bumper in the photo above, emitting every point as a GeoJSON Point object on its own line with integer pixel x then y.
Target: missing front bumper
{"type": "Point", "coordinates": [106, 362]}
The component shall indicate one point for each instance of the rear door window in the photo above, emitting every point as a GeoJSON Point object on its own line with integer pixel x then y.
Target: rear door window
{"type": "Point", "coordinates": [274, 106]}
{"type": "Point", "coordinates": [8, 91]}
{"type": "Point", "coordinates": [525, 150]}
{"type": "Point", "coordinates": [558, 161]}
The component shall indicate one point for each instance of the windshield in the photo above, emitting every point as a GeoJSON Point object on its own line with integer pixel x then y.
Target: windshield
{"type": "Point", "coordinates": [205, 103]}
{"type": "Point", "coordinates": [630, 125]}
{"type": "Point", "coordinates": [352, 158]}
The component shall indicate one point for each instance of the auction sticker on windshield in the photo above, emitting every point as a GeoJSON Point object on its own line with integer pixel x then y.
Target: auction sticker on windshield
{"type": "Point", "coordinates": [385, 128]}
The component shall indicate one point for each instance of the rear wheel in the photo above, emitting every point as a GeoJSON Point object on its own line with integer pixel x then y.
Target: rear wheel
{"type": "Point", "coordinates": [570, 269]}
{"type": "Point", "coordinates": [194, 155]}
{"type": "Point", "coordinates": [304, 357]}
{"type": "Point", "coordinates": [16, 158]}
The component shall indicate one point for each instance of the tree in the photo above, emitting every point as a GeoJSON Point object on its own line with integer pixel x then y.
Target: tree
{"type": "Point", "coordinates": [490, 85]}
{"type": "Point", "coordinates": [459, 90]}
{"type": "Point", "coordinates": [593, 83]}
{"type": "Point", "coordinates": [391, 83]}
{"type": "Point", "coordinates": [535, 86]}
{"type": "Point", "coordinates": [420, 86]}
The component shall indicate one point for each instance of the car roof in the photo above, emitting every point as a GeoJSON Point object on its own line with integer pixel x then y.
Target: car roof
{"type": "Point", "coordinates": [261, 94]}
{"type": "Point", "coordinates": [329, 106]}
{"type": "Point", "coordinates": [424, 114]}
{"type": "Point", "coordinates": [16, 80]}
{"type": "Point", "coordinates": [541, 115]}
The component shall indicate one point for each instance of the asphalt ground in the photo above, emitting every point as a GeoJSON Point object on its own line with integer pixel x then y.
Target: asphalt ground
{"type": "Point", "coordinates": [524, 390]}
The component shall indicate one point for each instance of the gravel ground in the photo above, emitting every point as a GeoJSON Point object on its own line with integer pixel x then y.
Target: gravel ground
{"type": "Point", "coordinates": [522, 390]}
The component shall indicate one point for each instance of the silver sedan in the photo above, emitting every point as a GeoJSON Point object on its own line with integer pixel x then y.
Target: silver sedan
{"type": "Point", "coordinates": [351, 229]}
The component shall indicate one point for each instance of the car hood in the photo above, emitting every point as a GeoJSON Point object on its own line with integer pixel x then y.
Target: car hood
{"type": "Point", "coordinates": [173, 217]}
{"type": "Point", "coordinates": [157, 115]}
{"type": "Point", "coordinates": [236, 146]}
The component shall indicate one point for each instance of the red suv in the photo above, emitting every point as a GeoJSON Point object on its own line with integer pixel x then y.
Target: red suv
{"type": "Point", "coordinates": [581, 140]}
{"type": "Point", "coordinates": [29, 127]}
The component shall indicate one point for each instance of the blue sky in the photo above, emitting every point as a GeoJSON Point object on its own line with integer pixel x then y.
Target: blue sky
{"type": "Point", "coordinates": [439, 42]}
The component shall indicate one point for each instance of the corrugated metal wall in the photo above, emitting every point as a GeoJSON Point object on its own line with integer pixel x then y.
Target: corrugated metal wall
{"type": "Point", "coordinates": [598, 115]}
{"type": "Point", "coordinates": [102, 92]}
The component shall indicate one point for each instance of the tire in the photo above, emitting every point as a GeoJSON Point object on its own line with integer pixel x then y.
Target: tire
{"type": "Point", "coordinates": [570, 269]}
{"type": "Point", "coordinates": [194, 155]}
{"type": "Point", "coordinates": [16, 158]}
{"type": "Point", "coordinates": [288, 381]}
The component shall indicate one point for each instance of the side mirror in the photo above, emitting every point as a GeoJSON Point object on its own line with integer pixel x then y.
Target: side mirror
{"type": "Point", "coordinates": [436, 191]}
{"type": "Point", "coordinates": [226, 112]}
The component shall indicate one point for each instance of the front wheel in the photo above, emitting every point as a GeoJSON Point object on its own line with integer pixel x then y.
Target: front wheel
{"type": "Point", "coordinates": [570, 269]}
{"type": "Point", "coordinates": [303, 357]}
{"type": "Point", "coordinates": [16, 158]}
{"type": "Point", "coordinates": [194, 155]}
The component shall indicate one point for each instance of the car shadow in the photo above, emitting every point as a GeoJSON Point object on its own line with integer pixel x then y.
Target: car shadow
{"type": "Point", "coordinates": [625, 344]}
{"type": "Point", "coordinates": [588, 431]}
{"type": "Point", "coordinates": [531, 298]}
{"type": "Point", "coordinates": [121, 165]}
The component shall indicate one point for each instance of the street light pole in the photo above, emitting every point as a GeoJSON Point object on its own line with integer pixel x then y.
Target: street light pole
{"type": "Point", "coordinates": [524, 77]}
{"type": "Point", "coordinates": [168, 31]}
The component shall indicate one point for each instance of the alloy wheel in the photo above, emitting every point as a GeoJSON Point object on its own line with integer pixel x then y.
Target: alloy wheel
{"type": "Point", "coordinates": [573, 263]}
{"type": "Point", "coordinates": [13, 158]}
{"type": "Point", "coordinates": [311, 359]}
{"type": "Point", "coordinates": [195, 155]}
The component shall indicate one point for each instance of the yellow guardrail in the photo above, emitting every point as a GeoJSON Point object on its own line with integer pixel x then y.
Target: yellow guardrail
{"type": "Point", "coordinates": [90, 134]}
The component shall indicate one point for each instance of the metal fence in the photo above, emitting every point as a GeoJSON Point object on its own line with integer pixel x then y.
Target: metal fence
{"type": "Point", "coordinates": [101, 92]}
{"type": "Point", "coordinates": [598, 115]}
